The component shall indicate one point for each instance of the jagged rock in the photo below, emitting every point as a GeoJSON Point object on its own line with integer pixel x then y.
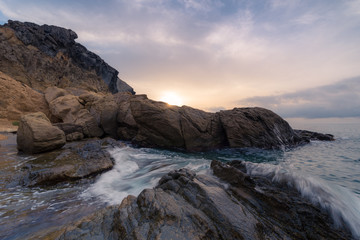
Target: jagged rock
{"type": "Point", "coordinates": [18, 99]}
{"type": "Point", "coordinates": [76, 160]}
{"type": "Point", "coordinates": [189, 206]}
{"type": "Point", "coordinates": [308, 135]}
{"type": "Point", "coordinates": [256, 127]}
{"type": "Point", "coordinates": [36, 134]}
{"type": "Point", "coordinates": [73, 132]}
{"type": "Point", "coordinates": [44, 56]}
{"type": "Point", "coordinates": [69, 109]}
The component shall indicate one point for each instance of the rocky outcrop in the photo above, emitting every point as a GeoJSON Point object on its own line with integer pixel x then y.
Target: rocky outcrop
{"type": "Point", "coordinates": [74, 161]}
{"type": "Point", "coordinates": [309, 135]}
{"type": "Point", "coordinates": [44, 56]}
{"type": "Point", "coordinates": [189, 206]}
{"type": "Point", "coordinates": [36, 134]}
{"type": "Point", "coordinates": [18, 99]}
{"type": "Point", "coordinates": [256, 127]}
{"type": "Point", "coordinates": [156, 124]}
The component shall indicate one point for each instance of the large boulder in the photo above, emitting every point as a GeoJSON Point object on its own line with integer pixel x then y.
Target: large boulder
{"type": "Point", "coordinates": [36, 134]}
{"type": "Point", "coordinates": [74, 161]}
{"type": "Point", "coordinates": [189, 206]}
{"type": "Point", "coordinates": [256, 127]}
{"type": "Point", "coordinates": [44, 56]}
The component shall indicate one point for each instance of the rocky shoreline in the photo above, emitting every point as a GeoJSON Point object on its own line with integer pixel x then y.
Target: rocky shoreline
{"type": "Point", "coordinates": [71, 106]}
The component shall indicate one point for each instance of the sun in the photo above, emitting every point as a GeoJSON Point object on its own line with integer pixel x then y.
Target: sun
{"type": "Point", "coordinates": [172, 99]}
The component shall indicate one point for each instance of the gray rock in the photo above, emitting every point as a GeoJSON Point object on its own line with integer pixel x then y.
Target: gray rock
{"type": "Point", "coordinates": [36, 134]}
{"type": "Point", "coordinates": [74, 161]}
{"type": "Point", "coordinates": [309, 135]}
{"type": "Point", "coordinates": [189, 206]}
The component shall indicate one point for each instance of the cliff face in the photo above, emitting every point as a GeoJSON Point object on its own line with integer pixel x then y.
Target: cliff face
{"type": "Point", "coordinates": [44, 56]}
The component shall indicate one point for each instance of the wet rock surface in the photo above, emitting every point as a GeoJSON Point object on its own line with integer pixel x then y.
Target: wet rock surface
{"type": "Point", "coordinates": [189, 206]}
{"type": "Point", "coordinates": [51, 54]}
{"type": "Point", "coordinates": [309, 135]}
{"type": "Point", "coordinates": [74, 161]}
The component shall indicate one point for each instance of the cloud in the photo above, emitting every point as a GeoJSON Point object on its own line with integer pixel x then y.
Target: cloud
{"type": "Point", "coordinates": [341, 99]}
{"type": "Point", "coordinates": [212, 51]}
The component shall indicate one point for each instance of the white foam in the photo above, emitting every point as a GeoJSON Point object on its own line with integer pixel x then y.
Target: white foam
{"type": "Point", "coordinates": [343, 205]}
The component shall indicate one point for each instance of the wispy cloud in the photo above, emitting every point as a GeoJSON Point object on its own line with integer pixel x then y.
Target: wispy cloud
{"type": "Point", "coordinates": [341, 99]}
{"type": "Point", "coordinates": [221, 49]}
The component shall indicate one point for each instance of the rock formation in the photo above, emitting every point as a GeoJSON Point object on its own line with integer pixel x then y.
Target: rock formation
{"type": "Point", "coordinates": [74, 161]}
{"type": "Point", "coordinates": [18, 99]}
{"type": "Point", "coordinates": [36, 134]}
{"type": "Point", "coordinates": [44, 56]}
{"type": "Point", "coordinates": [155, 124]}
{"type": "Point", "coordinates": [189, 206]}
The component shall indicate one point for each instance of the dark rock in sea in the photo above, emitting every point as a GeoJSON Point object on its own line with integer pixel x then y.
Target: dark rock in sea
{"type": "Point", "coordinates": [308, 135]}
{"type": "Point", "coordinates": [36, 134]}
{"type": "Point", "coordinates": [189, 206]}
{"type": "Point", "coordinates": [43, 56]}
{"type": "Point", "coordinates": [74, 161]}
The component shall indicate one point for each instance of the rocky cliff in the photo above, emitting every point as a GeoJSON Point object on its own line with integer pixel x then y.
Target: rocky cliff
{"type": "Point", "coordinates": [44, 56]}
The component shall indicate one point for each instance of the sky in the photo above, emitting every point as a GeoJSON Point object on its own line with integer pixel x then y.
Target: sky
{"type": "Point", "coordinates": [299, 58]}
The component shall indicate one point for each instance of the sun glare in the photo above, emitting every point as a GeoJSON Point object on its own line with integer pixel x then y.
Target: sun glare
{"type": "Point", "coordinates": [171, 98]}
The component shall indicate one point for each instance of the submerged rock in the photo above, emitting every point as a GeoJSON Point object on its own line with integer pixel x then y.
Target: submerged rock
{"type": "Point", "coordinates": [308, 135]}
{"type": "Point", "coordinates": [36, 134]}
{"type": "Point", "coordinates": [74, 161]}
{"type": "Point", "coordinates": [189, 206]}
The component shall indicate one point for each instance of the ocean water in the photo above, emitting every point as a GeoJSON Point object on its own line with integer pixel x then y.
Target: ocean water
{"type": "Point", "coordinates": [327, 173]}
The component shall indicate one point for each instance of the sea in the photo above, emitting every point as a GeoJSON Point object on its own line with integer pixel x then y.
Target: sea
{"type": "Point", "coordinates": [327, 173]}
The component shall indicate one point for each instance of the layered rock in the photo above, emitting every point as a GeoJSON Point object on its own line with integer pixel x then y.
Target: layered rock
{"type": "Point", "coordinates": [44, 56]}
{"type": "Point", "coordinates": [309, 135]}
{"type": "Point", "coordinates": [18, 99]}
{"type": "Point", "coordinates": [36, 134]}
{"type": "Point", "coordinates": [189, 206]}
{"type": "Point", "coordinates": [74, 161]}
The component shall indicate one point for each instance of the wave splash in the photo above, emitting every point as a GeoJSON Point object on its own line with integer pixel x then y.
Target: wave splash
{"type": "Point", "coordinates": [343, 205]}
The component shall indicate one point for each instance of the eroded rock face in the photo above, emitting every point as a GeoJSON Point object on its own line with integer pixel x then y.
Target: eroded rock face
{"type": "Point", "coordinates": [36, 134]}
{"type": "Point", "coordinates": [189, 206]}
{"type": "Point", "coordinates": [76, 160]}
{"type": "Point", "coordinates": [44, 56]}
{"type": "Point", "coordinates": [17, 99]}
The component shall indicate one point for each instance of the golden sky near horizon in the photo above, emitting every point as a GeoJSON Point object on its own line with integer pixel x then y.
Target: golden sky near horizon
{"type": "Point", "coordinates": [298, 58]}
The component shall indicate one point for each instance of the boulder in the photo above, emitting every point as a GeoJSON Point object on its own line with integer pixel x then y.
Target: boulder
{"type": "Point", "coordinates": [185, 205]}
{"type": "Point", "coordinates": [69, 109]}
{"type": "Point", "coordinates": [309, 135]}
{"type": "Point", "coordinates": [256, 127]}
{"type": "Point", "coordinates": [36, 134]}
{"type": "Point", "coordinates": [75, 161]}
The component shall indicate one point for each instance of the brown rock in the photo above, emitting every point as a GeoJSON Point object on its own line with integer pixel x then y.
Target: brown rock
{"type": "Point", "coordinates": [18, 99]}
{"type": "Point", "coordinates": [36, 134]}
{"type": "Point", "coordinates": [256, 127]}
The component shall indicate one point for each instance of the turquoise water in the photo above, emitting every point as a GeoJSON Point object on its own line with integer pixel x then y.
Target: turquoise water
{"type": "Point", "coordinates": [328, 173]}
